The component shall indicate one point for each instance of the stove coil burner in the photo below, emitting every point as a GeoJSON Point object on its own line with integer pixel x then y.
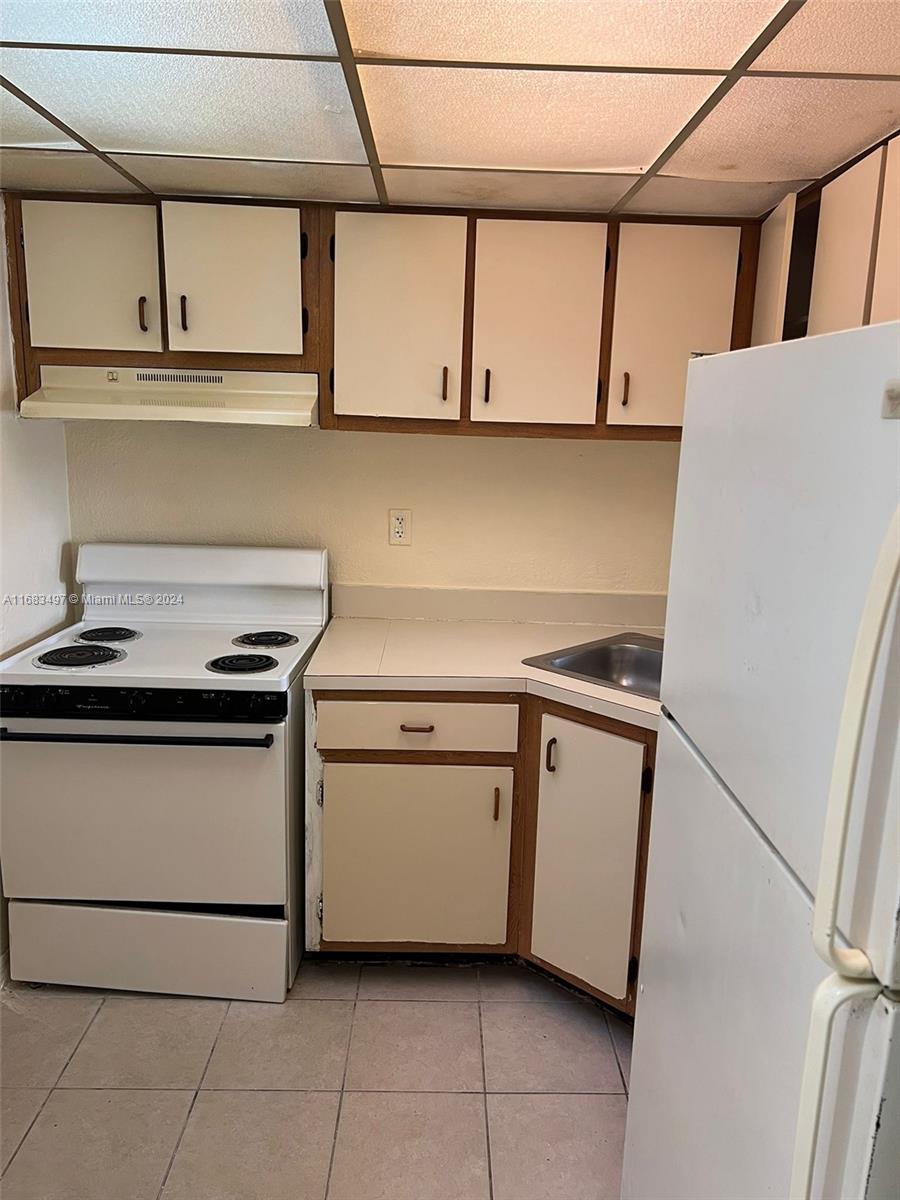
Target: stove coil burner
{"type": "Point", "coordinates": [266, 637]}
{"type": "Point", "coordinates": [62, 657]}
{"type": "Point", "coordinates": [241, 664]}
{"type": "Point", "coordinates": [109, 633]}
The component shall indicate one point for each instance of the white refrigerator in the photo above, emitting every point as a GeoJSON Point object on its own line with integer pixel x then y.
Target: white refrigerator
{"type": "Point", "coordinates": [767, 1041]}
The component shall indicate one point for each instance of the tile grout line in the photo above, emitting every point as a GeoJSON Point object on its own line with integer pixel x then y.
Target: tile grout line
{"type": "Point", "coordinates": [337, 1119]}
{"type": "Point", "coordinates": [487, 1123]}
{"type": "Point", "coordinates": [615, 1052]}
{"type": "Point", "coordinates": [52, 1089]}
{"type": "Point", "coordinates": [171, 1163]}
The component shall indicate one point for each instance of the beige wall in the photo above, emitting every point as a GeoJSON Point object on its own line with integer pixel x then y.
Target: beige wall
{"type": "Point", "coordinates": [487, 512]}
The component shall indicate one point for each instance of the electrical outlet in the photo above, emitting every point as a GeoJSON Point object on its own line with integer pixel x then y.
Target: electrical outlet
{"type": "Point", "coordinates": [399, 527]}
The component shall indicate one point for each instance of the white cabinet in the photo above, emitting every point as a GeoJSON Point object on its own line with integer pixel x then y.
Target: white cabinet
{"type": "Point", "coordinates": [233, 277]}
{"type": "Point", "coordinates": [398, 314]}
{"type": "Point", "coordinates": [772, 273]}
{"type": "Point", "coordinates": [415, 853]}
{"type": "Point", "coordinates": [886, 285]}
{"type": "Point", "coordinates": [589, 809]}
{"type": "Point", "coordinates": [844, 248]}
{"type": "Point", "coordinates": [92, 273]}
{"type": "Point", "coordinates": [674, 298]}
{"type": "Point", "coordinates": [538, 312]}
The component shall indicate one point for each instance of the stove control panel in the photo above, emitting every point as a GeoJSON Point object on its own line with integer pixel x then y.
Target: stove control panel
{"type": "Point", "coordinates": [142, 704]}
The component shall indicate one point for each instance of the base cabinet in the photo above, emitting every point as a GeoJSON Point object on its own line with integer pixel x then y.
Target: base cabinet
{"type": "Point", "coordinates": [416, 853]}
{"type": "Point", "coordinates": [588, 824]}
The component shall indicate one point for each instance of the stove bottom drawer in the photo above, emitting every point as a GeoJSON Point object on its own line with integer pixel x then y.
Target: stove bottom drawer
{"type": "Point", "coordinates": [131, 949]}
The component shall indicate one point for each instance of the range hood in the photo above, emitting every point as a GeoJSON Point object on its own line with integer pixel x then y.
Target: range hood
{"type": "Point", "coordinates": [152, 394]}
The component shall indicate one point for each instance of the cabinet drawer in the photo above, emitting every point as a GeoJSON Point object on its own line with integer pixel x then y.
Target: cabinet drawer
{"type": "Point", "coordinates": [190, 954]}
{"type": "Point", "coordinates": [420, 725]}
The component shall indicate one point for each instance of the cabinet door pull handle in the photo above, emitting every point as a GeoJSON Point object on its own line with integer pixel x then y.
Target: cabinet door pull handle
{"type": "Point", "coordinates": [487, 385]}
{"type": "Point", "coordinates": [417, 729]}
{"type": "Point", "coordinates": [184, 324]}
{"type": "Point", "coordinates": [445, 383]}
{"type": "Point", "coordinates": [549, 764]}
{"type": "Point", "coordinates": [142, 313]}
{"type": "Point", "coordinates": [496, 804]}
{"type": "Point", "coordinates": [625, 390]}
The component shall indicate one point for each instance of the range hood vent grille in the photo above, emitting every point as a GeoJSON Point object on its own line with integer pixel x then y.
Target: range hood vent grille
{"type": "Point", "coordinates": [177, 377]}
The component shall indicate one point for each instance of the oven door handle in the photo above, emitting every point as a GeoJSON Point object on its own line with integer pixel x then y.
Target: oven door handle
{"type": "Point", "coordinates": [127, 739]}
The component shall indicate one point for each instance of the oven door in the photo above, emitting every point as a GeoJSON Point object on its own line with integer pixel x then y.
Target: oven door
{"type": "Point", "coordinates": [143, 811]}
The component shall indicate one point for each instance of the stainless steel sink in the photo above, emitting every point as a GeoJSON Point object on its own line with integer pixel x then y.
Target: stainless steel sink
{"type": "Point", "coordinates": [630, 662]}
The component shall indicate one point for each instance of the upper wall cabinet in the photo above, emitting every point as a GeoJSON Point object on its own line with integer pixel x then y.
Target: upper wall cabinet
{"type": "Point", "coordinates": [844, 248]}
{"type": "Point", "coordinates": [674, 298]}
{"type": "Point", "coordinates": [398, 314]}
{"type": "Point", "coordinates": [886, 284]}
{"type": "Point", "coordinates": [233, 277]}
{"type": "Point", "coordinates": [538, 313]}
{"type": "Point", "coordinates": [92, 274]}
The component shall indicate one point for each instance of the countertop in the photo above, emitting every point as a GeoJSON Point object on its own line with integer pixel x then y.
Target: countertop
{"type": "Point", "coordinates": [358, 653]}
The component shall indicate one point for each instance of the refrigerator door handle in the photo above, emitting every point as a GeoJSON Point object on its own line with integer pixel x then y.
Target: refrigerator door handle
{"type": "Point", "coordinates": [853, 962]}
{"type": "Point", "coordinates": [830, 996]}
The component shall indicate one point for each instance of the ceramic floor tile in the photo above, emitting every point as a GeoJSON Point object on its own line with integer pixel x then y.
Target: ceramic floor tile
{"type": "Point", "coordinates": [98, 1145]}
{"type": "Point", "coordinates": [549, 1147]}
{"type": "Point", "coordinates": [403, 1146]}
{"type": "Point", "coordinates": [18, 1108]}
{"type": "Point", "coordinates": [621, 1034]}
{"type": "Point", "coordinates": [505, 982]}
{"type": "Point", "coordinates": [418, 983]}
{"type": "Point", "coordinates": [548, 1048]}
{"type": "Point", "coordinates": [402, 1046]}
{"type": "Point", "coordinates": [39, 1030]}
{"type": "Point", "coordinates": [325, 981]}
{"type": "Point", "coordinates": [300, 1045]}
{"type": "Point", "coordinates": [139, 1042]}
{"type": "Point", "coordinates": [255, 1146]}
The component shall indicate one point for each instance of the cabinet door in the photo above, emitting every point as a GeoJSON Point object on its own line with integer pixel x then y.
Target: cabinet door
{"type": "Point", "coordinates": [415, 853]}
{"type": "Point", "coordinates": [538, 311]}
{"type": "Point", "coordinates": [844, 248]}
{"type": "Point", "coordinates": [88, 267]}
{"type": "Point", "coordinates": [772, 273]}
{"type": "Point", "coordinates": [233, 278]}
{"type": "Point", "coordinates": [398, 314]}
{"type": "Point", "coordinates": [589, 807]}
{"type": "Point", "coordinates": [886, 289]}
{"type": "Point", "coordinates": [674, 298]}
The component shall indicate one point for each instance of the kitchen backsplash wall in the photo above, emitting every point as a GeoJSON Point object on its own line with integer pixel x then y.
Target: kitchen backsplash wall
{"type": "Point", "coordinates": [486, 512]}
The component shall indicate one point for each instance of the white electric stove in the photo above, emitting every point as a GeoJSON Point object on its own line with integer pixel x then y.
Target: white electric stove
{"type": "Point", "coordinates": [152, 769]}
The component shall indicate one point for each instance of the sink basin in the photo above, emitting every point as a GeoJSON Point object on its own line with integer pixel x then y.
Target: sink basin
{"type": "Point", "coordinates": [630, 662]}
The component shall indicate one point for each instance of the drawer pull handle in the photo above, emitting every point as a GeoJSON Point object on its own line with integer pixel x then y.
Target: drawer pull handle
{"type": "Point", "coordinates": [626, 387]}
{"type": "Point", "coordinates": [417, 729]}
{"type": "Point", "coordinates": [549, 764]}
{"type": "Point", "coordinates": [445, 383]}
{"type": "Point", "coordinates": [142, 313]}
{"type": "Point", "coordinates": [184, 321]}
{"type": "Point", "coordinates": [487, 385]}
{"type": "Point", "coordinates": [496, 804]}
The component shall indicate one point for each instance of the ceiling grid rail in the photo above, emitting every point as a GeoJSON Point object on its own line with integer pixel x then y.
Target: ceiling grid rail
{"type": "Point", "coordinates": [338, 22]}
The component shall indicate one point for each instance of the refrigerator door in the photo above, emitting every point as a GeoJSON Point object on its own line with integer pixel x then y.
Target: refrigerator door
{"type": "Point", "coordinates": [728, 971]}
{"type": "Point", "coordinates": [787, 484]}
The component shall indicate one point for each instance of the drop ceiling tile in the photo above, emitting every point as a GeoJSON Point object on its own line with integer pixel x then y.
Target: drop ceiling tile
{"type": "Point", "coordinates": [766, 129]}
{"type": "Point", "coordinates": [22, 126]}
{"type": "Point", "coordinates": [838, 35]}
{"type": "Point", "coordinates": [280, 26]}
{"type": "Point", "coordinates": [547, 120]}
{"type": "Point", "coordinates": [505, 189]}
{"type": "Point", "coordinates": [58, 170]}
{"type": "Point", "coordinates": [230, 177]}
{"type": "Point", "coordinates": [667, 195]}
{"type": "Point", "coordinates": [178, 104]}
{"type": "Point", "coordinates": [649, 33]}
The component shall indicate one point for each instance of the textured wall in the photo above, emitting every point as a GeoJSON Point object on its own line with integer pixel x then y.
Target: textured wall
{"type": "Point", "coordinates": [487, 512]}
